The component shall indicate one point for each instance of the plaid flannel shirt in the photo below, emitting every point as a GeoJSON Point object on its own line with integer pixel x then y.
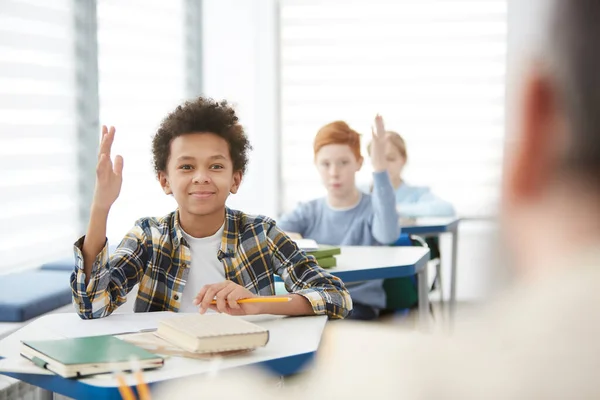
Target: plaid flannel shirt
{"type": "Point", "coordinates": [155, 255]}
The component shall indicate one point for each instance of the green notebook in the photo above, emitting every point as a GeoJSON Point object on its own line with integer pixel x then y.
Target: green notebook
{"type": "Point", "coordinates": [87, 356]}
{"type": "Point", "coordinates": [325, 251]}
{"type": "Point", "coordinates": [327, 262]}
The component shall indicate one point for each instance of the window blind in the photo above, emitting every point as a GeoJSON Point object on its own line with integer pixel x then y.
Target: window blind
{"type": "Point", "coordinates": [434, 69]}
{"type": "Point", "coordinates": [142, 77]}
{"type": "Point", "coordinates": [38, 148]}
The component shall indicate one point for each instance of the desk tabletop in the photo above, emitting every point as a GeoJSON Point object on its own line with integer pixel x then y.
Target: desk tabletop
{"type": "Point", "coordinates": [360, 263]}
{"type": "Point", "coordinates": [429, 225]}
{"type": "Point", "coordinates": [293, 342]}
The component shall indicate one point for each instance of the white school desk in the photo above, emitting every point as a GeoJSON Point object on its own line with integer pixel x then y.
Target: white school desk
{"type": "Point", "coordinates": [434, 227]}
{"type": "Point", "coordinates": [292, 343]}
{"type": "Point", "coordinates": [363, 263]}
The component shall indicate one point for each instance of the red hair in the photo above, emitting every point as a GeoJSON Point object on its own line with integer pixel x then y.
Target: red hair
{"type": "Point", "coordinates": [338, 132]}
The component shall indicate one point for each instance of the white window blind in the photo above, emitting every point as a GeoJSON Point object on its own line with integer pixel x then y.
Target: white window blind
{"type": "Point", "coordinates": [142, 74]}
{"type": "Point", "coordinates": [38, 184]}
{"type": "Point", "coordinates": [434, 70]}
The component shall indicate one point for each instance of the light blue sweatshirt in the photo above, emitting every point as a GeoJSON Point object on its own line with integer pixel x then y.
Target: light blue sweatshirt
{"type": "Point", "coordinates": [372, 222]}
{"type": "Point", "coordinates": [418, 201]}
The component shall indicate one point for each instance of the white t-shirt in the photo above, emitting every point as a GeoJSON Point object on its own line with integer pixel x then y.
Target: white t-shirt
{"type": "Point", "coordinates": [205, 267]}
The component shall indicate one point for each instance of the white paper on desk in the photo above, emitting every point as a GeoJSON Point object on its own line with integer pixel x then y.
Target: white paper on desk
{"type": "Point", "coordinates": [307, 244]}
{"type": "Point", "coordinates": [71, 326]}
{"type": "Point", "coordinates": [21, 365]}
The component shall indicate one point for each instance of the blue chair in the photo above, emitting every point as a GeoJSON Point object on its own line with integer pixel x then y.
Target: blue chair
{"type": "Point", "coordinates": [402, 293]}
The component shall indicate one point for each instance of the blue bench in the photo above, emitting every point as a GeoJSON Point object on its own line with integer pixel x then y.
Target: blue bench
{"type": "Point", "coordinates": [67, 263]}
{"type": "Point", "coordinates": [28, 294]}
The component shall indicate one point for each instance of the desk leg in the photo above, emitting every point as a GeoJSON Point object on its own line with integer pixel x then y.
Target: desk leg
{"type": "Point", "coordinates": [453, 277]}
{"type": "Point", "coordinates": [423, 289]}
{"type": "Point", "coordinates": [44, 394]}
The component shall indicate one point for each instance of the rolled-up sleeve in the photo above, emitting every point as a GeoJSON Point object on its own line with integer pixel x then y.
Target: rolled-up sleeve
{"type": "Point", "coordinates": [111, 278]}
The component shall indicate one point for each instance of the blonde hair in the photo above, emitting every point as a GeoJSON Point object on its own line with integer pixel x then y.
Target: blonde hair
{"type": "Point", "coordinates": [396, 140]}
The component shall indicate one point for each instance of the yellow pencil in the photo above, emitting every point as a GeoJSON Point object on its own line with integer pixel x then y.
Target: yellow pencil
{"type": "Point", "coordinates": [260, 300]}
{"type": "Point", "coordinates": [142, 387]}
{"type": "Point", "coordinates": [124, 389]}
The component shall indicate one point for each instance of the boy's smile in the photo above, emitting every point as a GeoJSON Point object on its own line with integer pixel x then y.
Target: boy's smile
{"type": "Point", "coordinates": [200, 176]}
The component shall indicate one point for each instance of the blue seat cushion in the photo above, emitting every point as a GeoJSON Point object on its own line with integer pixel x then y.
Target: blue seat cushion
{"type": "Point", "coordinates": [403, 240]}
{"type": "Point", "coordinates": [67, 263]}
{"type": "Point", "coordinates": [28, 294]}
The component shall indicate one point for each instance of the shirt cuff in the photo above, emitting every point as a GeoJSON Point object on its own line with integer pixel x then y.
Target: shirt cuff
{"type": "Point", "coordinates": [315, 299]}
{"type": "Point", "coordinates": [101, 258]}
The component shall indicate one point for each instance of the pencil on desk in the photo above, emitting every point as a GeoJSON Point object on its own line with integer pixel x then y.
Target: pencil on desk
{"type": "Point", "coordinates": [124, 389]}
{"type": "Point", "coordinates": [260, 300]}
{"type": "Point", "coordinates": [142, 387]}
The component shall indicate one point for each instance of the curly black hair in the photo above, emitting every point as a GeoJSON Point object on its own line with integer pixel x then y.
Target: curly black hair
{"type": "Point", "coordinates": [201, 115]}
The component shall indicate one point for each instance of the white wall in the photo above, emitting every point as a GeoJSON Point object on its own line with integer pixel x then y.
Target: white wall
{"type": "Point", "coordinates": [240, 65]}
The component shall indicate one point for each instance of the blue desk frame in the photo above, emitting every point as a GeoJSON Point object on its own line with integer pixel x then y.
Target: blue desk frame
{"type": "Point", "coordinates": [78, 390]}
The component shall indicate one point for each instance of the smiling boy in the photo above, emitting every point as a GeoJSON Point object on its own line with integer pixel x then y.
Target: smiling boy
{"type": "Point", "coordinates": [202, 251]}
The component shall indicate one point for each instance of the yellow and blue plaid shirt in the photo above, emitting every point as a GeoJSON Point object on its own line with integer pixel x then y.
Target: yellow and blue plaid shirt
{"type": "Point", "coordinates": [155, 255]}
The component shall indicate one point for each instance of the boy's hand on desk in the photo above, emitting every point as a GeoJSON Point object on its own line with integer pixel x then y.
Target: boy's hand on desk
{"type": "Point", "coordinates": [378, 145]}
{"type": "Point", "coordinates": [109, 177]}
{"type": "Point", "coordinates": [226, 294]}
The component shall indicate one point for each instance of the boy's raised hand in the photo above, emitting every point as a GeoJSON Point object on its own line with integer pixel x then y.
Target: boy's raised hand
{"type": "Point", "coordinates": [378, 145]}
{"type": "Point", "coordinates": [109, 177]}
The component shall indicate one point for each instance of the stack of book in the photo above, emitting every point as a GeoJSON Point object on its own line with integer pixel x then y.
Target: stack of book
{"type": "Point", "coordinates": [188, 335]}
{"type": "Point", "coordinates": [325, 255]}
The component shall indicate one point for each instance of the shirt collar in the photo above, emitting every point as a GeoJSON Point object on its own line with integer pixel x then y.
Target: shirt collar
{"type": "Point", "coordinates": [229, 240]}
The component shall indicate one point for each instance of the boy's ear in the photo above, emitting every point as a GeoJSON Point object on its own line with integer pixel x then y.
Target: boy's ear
{"type": "Point", "coordinates": [164, 182]}
{"type": "Point", "coordinates": [237, 180]}
{"type": "Point", "coordinates": [360, 163]}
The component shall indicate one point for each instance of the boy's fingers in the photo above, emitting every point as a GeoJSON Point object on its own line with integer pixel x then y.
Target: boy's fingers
{"type": "Point", "coordinates": [118, 167]}
{"type": "Point", "coordinates": [110, 138]}
{"type": "Point", "coordinates": [200, 295]}
{"type": "Point", "coordinates": [103, 164]}
{"type": "Point", "coordinates": [232, 299]}
{"type": "Point", "coordinates": [214, 308]}
{"type": "Point", "coordinates": [221, 299]}
{"type": "Point", "coordinates": [208, 297]}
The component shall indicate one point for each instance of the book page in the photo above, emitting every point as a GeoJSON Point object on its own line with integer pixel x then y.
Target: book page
{"type": "Point", "coordinates": [212, 325]}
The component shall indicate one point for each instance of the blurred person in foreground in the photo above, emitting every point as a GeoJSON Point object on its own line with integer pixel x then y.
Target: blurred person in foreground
{"type": "Point", "coordinates": [540, 340]}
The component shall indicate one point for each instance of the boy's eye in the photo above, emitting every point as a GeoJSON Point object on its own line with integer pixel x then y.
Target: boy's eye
{"type": "Point", "coordinates": [186, 167]}
{"type": "Point", "coordinates": [216, 166]}
{"type": "Point", "coordinates": [345, 162]}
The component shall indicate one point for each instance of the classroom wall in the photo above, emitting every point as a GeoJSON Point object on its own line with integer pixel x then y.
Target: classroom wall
{"type": "Point", "coordinates": [240, 64]}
